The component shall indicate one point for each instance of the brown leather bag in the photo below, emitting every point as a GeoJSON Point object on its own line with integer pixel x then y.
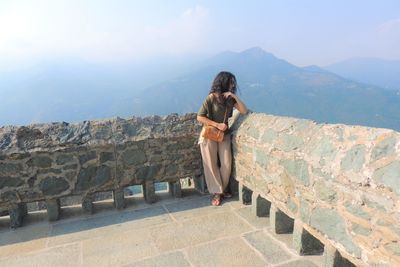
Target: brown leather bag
{"type": "Point", "coordinates": [213, 133]}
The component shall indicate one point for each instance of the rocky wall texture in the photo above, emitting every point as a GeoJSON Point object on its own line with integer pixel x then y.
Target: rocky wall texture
{"type": "Point", "coordinates": [49, 161]}
{"type": "Point", "coordinates": [341, 181]}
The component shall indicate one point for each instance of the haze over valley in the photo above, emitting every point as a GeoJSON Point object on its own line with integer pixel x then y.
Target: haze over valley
{"type": "Point", "coordinates": [82, 60]}
{"type": "Point", "coordinates": [74, 91]}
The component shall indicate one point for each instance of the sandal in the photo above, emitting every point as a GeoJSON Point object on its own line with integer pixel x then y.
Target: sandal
{"type": "Point", "coordinates": [216, 200]}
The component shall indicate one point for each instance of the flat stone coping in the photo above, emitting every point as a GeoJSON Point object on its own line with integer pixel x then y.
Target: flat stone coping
{"type": "Point", "coordinates": [172, 232]}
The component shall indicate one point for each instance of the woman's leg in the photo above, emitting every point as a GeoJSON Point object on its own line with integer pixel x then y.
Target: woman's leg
{"type": "Point", "coordinates": [210, 164]}
{"type": "Point", "coordinates": [225, 157]}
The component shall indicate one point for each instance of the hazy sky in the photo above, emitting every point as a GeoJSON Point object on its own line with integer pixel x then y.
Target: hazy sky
{"type": "Point", "coordinates": [303, 32]}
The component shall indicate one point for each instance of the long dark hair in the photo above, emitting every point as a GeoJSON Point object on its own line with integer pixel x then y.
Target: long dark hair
{"type": "Point", "coordinates": [222, 83]}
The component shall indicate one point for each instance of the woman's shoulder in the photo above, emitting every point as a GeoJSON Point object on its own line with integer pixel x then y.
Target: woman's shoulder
{"type": "Point", "coordinates": [210, 97]}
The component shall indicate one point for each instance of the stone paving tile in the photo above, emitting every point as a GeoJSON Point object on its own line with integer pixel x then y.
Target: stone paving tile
{"type": "Point", "coordinates": [118, 248]}
{"type": "Point", "coordinates": [166, 260]}
{"type": "Point", "coordinates": [287, 239]}
{"type": "Point", "coordinates": [69, 255]}
{"type": "Point", "coordinates": [163, 198]}
{"type": "Point", "coordinates": [236, 204]}
{"type": "Point", "coordinates": [24, 240]}
{"type": "Point", "coordinates": [137, 235]}
{"type": "Point", "coordinates": [194, 208]}
{"type": "Point", "coordinates": [228, 252]}
{"type": "Point", "coordinates": [197, 230]}
{"type": "Point", "coordinates": [257, 222]}
{"type": "Point", "coordinates": [319, 260]}
{"type": "Point", "coordinates": [300, 263]}
{"type": "Point", "coordinates": [269, 248]}
{"type": "Point", "coordinates": [98, 226]}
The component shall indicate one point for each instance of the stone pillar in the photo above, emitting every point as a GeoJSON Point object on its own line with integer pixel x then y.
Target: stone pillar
{"type": "Point", "coordinates": [24, 209]}
{"type": "Point", "coordinates": [332, 258]}
{"type": "Point", "coordinates": [280, 222]}
{"type": "Point", "coordinates": [233, 186]}
{"type": "Point", "coordinates": [305, 243]}
{"type": "Point", "coordinates": [200, 183]}
{"type": "Point", "coordinates": [53, 209]}
{"type": "Point", "coordinates": [87, 204]}
{"type": "Point", "coordinates": [119, 199]}
{"type": "Point", "coordinates": [260, 206]}
{"type": "Point", "coordinates": [149, 192]}
{"type": "Point", "coordinates": [175, 188]}
{"type": "Point", "coordinates": [17, 214]}
{"type": "Point", "coordinates": [245, 194]}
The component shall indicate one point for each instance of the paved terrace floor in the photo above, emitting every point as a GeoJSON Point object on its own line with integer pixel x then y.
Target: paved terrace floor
{"type": "Point", "coordinates": [171, 232]}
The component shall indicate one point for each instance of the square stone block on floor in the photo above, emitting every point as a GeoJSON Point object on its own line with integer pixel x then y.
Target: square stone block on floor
{"type": "Point", "coordinates": [69, 255]}
{"type": "Point", "coordinates": [272, 251]}
{"type": "Point", "coordinates": [194, 208]}
{"type": "Point", "coordinates": [24, 240]}
{"type": "Point", "coordinates": [333, 258]}
{"type": "Point", "coordinates": [247, 214]}
{"type": "Point", "coordinates": [260, 206]}
{"type": "Point", "coordinates": [149, 192]}
{"type": "Point", "coordinates": [280, 222]}
{"type": "Point", "coordinates": [235, 203]}
{"type": "Point", "coordinates": [53, 209]}
{"type": "Point", "coordinates": [245, 194]}
{"type": "Point", "coordinates": [304, 242]}
{"type": "Point", "coordinates": [118, 248]}
{"type": "Point", "coordinates": [119, 199]}
{"type": "Point", "coordinates": [96, 226]}
{"type": "Point", "coordinates": [300, 263]}
{"type": "Point", "coordinates": [287, 239]}
{"type": "Point", "coordinates": [87, 204]}
{"type": "Point", "coordinates": [17, 214]}
{"type": "Point", "coordinates": [175, 189]}
{"type": "Point", "coordinates": [198, 230]}
{"type": "Point", "coordinates": [170, 259]}
{"type": "Point", "coordinates": [229, 252]}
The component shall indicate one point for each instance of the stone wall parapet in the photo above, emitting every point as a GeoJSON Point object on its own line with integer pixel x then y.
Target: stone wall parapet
{"type": "Point", "coordinates": [341, 182]}
{"type": "Point", "coordinates": [44, 162]}
{"type": "Point", "coordinates": [336, 182]}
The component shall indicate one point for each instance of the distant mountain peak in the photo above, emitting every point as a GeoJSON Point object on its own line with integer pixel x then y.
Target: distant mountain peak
{"type": "Point", "coordinates": [255, 51]}
{"type": "Point", "coordinates": [314, 68]}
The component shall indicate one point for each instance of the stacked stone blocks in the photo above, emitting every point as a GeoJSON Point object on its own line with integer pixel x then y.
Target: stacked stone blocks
{"type": "Point", "coordinates": [45, 162]}
{"type": "Point", "coordinates": [334, 186]}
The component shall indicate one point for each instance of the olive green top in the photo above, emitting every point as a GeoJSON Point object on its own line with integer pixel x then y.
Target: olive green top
{"type": "Point", "coordinates": [216, 111]}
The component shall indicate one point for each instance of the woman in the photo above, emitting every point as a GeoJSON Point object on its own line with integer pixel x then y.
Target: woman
{"type": "Point", "coordinates": [218, 105]}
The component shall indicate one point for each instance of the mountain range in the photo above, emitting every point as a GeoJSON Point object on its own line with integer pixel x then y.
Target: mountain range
{"type": "Point", "coordinates": [271, 85]}
{"type": "Point", "coordinates": [379, 72]}
{"type": "Point", "coordinates": [75, 92]}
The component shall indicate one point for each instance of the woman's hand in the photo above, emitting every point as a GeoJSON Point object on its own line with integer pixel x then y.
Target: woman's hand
{"type": "Point", "coordinates": [239, 105]}
{"type": "Point", "coordinates": [222, 126]}
{"type": "Point", "coordinates": [229, 94]}
{"type": "Point", "coordinates": [206, 121]}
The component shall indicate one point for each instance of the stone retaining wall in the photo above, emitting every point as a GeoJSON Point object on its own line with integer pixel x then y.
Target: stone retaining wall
{"type": "Point", "coordinates": [49, 161]}
{"type": "Point", "coordinates": [336, 187]}
{"type": "Point", "coordinates": [339, 183]}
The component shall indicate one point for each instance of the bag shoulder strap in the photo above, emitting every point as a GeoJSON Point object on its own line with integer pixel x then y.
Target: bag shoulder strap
{"type": "Point", "coordinates": [225, 116]}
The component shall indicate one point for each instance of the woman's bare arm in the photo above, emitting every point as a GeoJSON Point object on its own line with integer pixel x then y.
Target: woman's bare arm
{"type": "Point", "coordinates": [239, 105]}
{"type": "Point", "coordinates": [207, 121]}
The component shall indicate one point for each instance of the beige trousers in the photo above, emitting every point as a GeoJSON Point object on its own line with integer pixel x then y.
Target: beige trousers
{"type": "Point", "coordinates": [217, 178]}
